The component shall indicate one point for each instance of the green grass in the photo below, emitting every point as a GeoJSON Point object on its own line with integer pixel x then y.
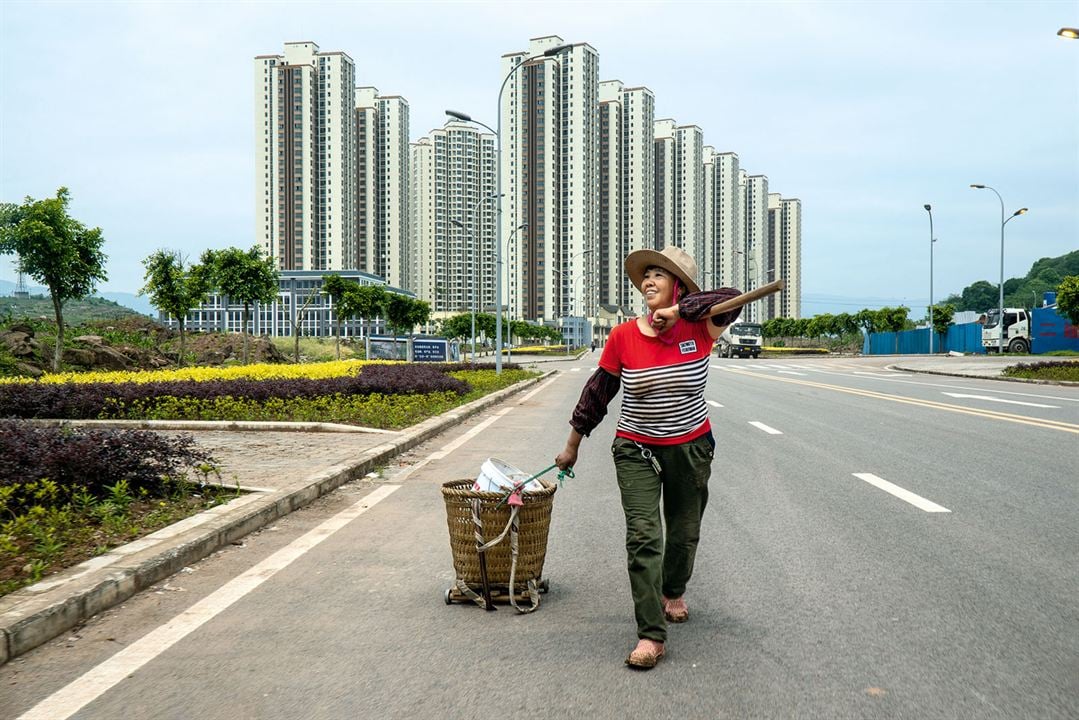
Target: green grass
{"type": "Point", "coordinates": [1061, 370]}
{"type": "Point", "coordinates": [314, 349]}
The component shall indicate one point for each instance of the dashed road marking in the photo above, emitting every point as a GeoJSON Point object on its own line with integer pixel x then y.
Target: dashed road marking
{"type": "Point", "coordinates": [765, 428]}
{"type": "Point", "coordinates": [916, 500]}
{"type": "Point", "coordinates": [713, 403]}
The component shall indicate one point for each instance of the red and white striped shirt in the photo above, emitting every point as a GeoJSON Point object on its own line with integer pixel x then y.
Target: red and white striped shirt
{"type": "Point", "coordinates": [663, 381]}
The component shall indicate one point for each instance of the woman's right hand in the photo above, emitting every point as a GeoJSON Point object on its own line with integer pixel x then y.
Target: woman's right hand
{"type": "Point", "coordinates": [567, 458]}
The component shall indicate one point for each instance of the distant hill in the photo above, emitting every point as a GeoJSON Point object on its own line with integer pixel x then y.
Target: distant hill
{"type": "Point", "coordinates": [1044, 275]}
{"type": "Point", "coordinates": [130, 301]}
{"type": "Point", "coordinates": [76, 312]}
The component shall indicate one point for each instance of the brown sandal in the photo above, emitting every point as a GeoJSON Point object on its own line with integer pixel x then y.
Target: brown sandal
{"type": "Point", "coordinates": [675, 610]}
{"type": "Point", "coordinates": [646, 654]}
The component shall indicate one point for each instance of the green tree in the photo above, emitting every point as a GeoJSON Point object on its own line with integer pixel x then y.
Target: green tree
{"type": "Point", "coordinates": [457, 327]}
{"type": "Point", "coordinates": [174, 288]}
{"type": "Point", "coordinates": [249, 277]}
{"type": "Point", "coordinates": [403, 314]}
{"type": "Point", "coordinates": [867, 320]}
{"type": "Point", "coordinates": [55, 250]}
{"type": "Point", "coordinates": [1068, 298]}
{"type": "Point", "coordinates": [297, 324]}
{"type": "Point", "coordinates": [371, 302]}
{"type": "Point", "coordinates": [891, 319]}
{"type": "Point", "coordinates": [942, 318]}
{"type": "Point", "coordinates": [341, 292]}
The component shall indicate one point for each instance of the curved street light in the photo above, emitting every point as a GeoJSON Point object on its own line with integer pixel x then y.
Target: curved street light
{"type": "Point", "coordinates": [1003, 221]}
{"type": "Point", "coordinates": [550, 53]}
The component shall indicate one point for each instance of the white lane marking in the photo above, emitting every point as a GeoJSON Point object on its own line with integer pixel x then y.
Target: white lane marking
{"type": "Point", "coordinates": [69, 700]}
{"type": "Point", "coordinates": [541, 388]}
{"type": "Point", "coordinates": [791, 372]}
{"type": "Point", "coordinates": [916, 500]}
{"type": "Point", "coordinates": [453, 445]}
{"type": "Point", "coordinates": [999, 400]}
{"type": "Point", "coordinates": [876, 374]}
{"type": "Point", "coordinates": [717, 367]}
{"type": "Point", "coordinates": [713, 403]}
{"type": "Point", "coordinates": [575, 369]}
{"type": "Point", "coordinates": [765, 428]}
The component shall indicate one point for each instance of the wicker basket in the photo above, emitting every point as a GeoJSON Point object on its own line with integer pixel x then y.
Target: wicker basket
{"type": "Point", "coordinates": [534, 519]}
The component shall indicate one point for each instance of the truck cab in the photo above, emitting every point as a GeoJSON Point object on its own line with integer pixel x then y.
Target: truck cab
{"type": "Point", "coordinates": [742, 339]}
{"type": "Point", "coordinates": [1016, 330]}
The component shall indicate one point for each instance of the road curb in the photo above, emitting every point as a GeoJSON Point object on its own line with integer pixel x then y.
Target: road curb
{"type": "Point", "coordinates": [1032, 381]}
{"type": "Point", "coordinates": [36, 614]}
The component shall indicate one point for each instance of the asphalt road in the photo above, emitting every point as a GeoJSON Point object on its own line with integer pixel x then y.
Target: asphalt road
{"type": "Point", "coordinates": [822, 591]}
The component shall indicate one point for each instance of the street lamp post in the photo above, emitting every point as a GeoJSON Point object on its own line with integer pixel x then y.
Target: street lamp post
{"type": "Point", "coordinates": [1003, 222]}
{"type": "Point", "coordinates": [572, 282]}
{"type": "Point", "coordinates": [549, 53]}
{"type": "Point", "coordinates": [509, 315]}
{"type": "Point", "coordinates": [472, 244]}
{"type": "Point", "coordinates": [929, 209]}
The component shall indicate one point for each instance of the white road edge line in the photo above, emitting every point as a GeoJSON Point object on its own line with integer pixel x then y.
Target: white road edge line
{"type": "Point", "coordinates": [790, 372]}
{"type": "Point", "coordinates": [916, 500]}
{"type": "Point", "coordinates": [79, 693]}
{"type": "Point", "coordinates": [765, 428]}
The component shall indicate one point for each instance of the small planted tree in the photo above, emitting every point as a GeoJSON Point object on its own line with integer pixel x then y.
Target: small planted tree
{"type": "Point", "coordinates": [297, 324]}
{"type": "Point", "coordinates": [55, 250]}
{"type": "Point", "coordinates": [337, 288]}
{"type": "Point", "coordinates": [248, 277]}
{"type": "Point", "coordinates": [891, 319]}
{"type": "Point", "coordinates": [1068, 298]}
{"type": "Point", "coordinates": [370, 302]}
{"type": "Point", "coordinates": [942, 317]}
{"type": "Point", "coordinates": [175, 288]}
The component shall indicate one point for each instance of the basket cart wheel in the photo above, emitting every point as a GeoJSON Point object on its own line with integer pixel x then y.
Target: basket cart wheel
{"type": "Point", "coordinates": [448, 596]}
{"type": "Point", "coordinates": [545, 586]}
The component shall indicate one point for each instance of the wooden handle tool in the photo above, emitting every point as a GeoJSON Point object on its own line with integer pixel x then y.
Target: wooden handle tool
{"type": "Point", "coordinates": [747, 297]}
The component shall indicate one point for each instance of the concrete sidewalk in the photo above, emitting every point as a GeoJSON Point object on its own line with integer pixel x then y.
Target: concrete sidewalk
{"type": "Point", "coordinates": [280, 472]}
{"type": "Point", "coordinates": [976, 366]}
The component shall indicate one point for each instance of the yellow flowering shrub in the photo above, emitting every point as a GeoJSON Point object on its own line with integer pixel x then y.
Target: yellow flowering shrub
{"type": "Point", "coordinates": [260, 371]}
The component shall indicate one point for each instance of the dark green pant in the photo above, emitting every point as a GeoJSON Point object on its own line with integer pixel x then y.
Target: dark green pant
{"type": "Point", "coordinates": [656, 566]}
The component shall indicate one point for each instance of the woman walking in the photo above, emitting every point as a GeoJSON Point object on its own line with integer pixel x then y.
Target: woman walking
{"type": "Point", "coordinates": [663, 446]}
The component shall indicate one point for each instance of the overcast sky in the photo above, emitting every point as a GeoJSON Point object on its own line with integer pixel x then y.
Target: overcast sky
{"type": "Point", "coordinates": [865, 111]}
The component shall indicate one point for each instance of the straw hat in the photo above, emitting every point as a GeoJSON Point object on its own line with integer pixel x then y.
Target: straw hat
{"type": "Point", "coordinates": [674, 260]}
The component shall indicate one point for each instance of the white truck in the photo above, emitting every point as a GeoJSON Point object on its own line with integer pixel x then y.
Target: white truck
{"type": "Point", "coordinates": [742, 339]}
{"type": "Point", "coordinates": [1016, 330]}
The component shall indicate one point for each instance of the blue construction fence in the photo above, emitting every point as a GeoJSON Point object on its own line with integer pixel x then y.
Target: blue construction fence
{"type": "Point", "coordinates": [1049, 331]}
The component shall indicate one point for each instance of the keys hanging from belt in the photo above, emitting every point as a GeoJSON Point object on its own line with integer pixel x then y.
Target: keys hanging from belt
{"type": "Point", "coordinates": [648, 455]}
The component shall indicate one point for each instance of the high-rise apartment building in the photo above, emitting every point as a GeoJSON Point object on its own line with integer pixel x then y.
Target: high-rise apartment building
{"type": "Point", "coordinates": [452, 264]}
{"type": "Point", "coordinates": [382, 171]}
{"type": "Point", "coordinates": [627, 187]}
{"type": "Point", "coordinates": [664, 157]}
{"type": "Point", "coordinates": [609, 250]}
{"type": "Point", "coordinates": [305, 187]}
{"type": "Point", "coordinates": [789, 265]}
{"type": "Point", "coordinates": [724, 254]}
{"type": "Point", "coordinates": [550, 179]}
{"type": "Point", "coordinates": [679, 163]}
{"type": "Point", "coordinates": [755, 196]}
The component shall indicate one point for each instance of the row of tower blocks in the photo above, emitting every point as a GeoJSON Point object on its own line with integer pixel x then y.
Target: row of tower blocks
{"type": "Point", "coordinates": [588, 176]}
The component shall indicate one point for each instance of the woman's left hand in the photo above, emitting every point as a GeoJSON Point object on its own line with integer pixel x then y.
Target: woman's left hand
{"type": "Point", "coordinates": [664, 319]}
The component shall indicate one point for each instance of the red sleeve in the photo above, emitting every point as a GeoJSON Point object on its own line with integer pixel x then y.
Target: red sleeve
{"type": "Point", "coordinates": [611, 359]}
